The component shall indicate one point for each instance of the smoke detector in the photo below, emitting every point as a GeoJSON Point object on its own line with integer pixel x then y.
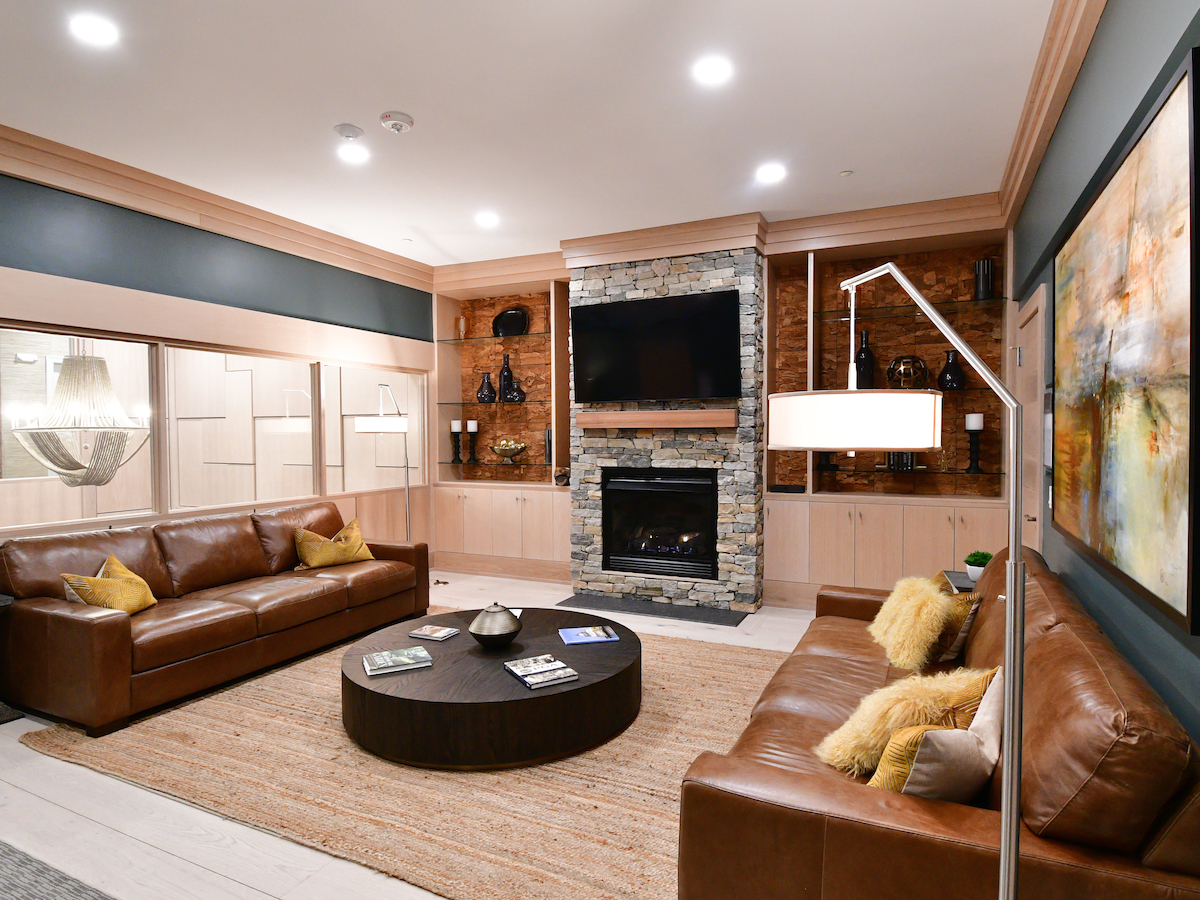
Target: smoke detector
{"type": "Point", "coordinates": [396, 122]}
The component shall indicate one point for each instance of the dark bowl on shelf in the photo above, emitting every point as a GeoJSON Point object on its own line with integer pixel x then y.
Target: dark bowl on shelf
{"type": "Point", "coordinates": [511, 322]}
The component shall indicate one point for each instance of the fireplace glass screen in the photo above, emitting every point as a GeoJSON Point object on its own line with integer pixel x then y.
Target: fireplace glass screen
{"type": "Point", "coordinates": [660, 521]}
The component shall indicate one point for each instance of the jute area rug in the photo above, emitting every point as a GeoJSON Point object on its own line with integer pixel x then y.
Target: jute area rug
{"type": "Point", "coordinates": [271, 752]}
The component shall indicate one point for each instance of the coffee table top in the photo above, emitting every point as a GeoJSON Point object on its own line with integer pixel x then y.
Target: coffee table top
{"type": "Point", "coordinates": [463, 672]}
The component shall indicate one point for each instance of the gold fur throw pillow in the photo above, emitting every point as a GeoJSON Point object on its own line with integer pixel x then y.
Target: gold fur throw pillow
{"type": "Point", "coordinates": [917, 700]}
{"type": "Point", "coordinates": [910, 621]}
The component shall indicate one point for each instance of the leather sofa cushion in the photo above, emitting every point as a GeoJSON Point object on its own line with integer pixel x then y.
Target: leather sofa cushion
{"type": "Point", "coordinates": [277, 531]}
{"type": "Point", "coordinates": [368, 581]}
{"type": "Point", "coordinates": [176, 630]}
{"type": "Point", "coordinates": [842, 638]}
{"type": "Point", "coordinates": [32, 565]}
{"type": "Point", "coordinates": [201, 553]}
{"type": "Point", "coordinates": [822, 688]}
{"type": "Point", "coordinates": [786, 740]}
{"type": "Point", "coordinates": [282, 602]}
{"type": "Point", "coordinates": [1102, 754]}
{"type": "Point", "coordinates": [1173, 844]}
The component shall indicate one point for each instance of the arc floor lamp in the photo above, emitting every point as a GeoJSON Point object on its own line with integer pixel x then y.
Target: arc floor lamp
{"type": "Point", "coordinates": [386, 423]}
{"type": "Point", "coordinates": [911, 420]}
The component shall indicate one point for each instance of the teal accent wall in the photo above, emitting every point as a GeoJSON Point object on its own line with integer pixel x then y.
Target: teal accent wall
{"type": "Point", "coordinates": [1138, 46]}
{"type": "Point", "coordinates": [43, 229]}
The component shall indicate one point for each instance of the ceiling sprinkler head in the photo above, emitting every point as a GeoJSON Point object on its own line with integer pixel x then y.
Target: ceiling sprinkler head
{"type": "Point", "coordinates": [396, 122]}
{"type": "Point", "coordinates": [348, 131]}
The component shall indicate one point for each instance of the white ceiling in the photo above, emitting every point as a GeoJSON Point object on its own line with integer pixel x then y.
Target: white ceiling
{"type": "Point", "coordinates": [568, 119]}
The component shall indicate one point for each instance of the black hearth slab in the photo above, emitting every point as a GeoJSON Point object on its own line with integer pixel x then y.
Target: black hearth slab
{"type": "Point", "coordinates": [705, 614]}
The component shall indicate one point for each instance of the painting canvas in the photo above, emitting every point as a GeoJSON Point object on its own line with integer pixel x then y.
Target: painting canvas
{"type": "Point", "coordinates": [1122, 376]}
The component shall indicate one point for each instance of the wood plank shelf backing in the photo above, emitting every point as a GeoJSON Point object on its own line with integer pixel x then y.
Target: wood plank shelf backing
{"type": "Point", "coordinates": [657, 418]}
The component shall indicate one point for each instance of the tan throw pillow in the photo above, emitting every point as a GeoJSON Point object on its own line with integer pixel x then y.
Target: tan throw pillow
{"type": "Point", "coordinates": [114, 588]}
{"type": "Point", "coordinates": [910, 620]}
{"type": "Point", "coordinates": [944, 763]}
{"type": "Point", "coordinates": [857, 745]}
{"type": "Point", "coordinates": [317, 552]}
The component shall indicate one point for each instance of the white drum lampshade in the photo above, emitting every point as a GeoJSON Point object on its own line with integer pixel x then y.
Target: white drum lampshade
{"type": "Point", "coordinates": [906, 420]}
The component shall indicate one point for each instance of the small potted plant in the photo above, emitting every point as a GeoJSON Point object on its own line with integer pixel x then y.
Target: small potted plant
{"type": "Point", "coordinates": [975, 562]}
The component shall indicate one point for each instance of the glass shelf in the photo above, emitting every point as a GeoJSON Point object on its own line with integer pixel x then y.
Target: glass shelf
{"type": "Point", "coordinates": [493, 403]}
{"type": "Point", "coordinates": [492, 337]}
{"type": "Point", "coordinates": [528, 465]}
{"type": "Point", "coordinates": [907, 311]}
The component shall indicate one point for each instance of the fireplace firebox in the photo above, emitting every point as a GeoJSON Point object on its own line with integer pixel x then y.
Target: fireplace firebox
{"type": "Point", "coordinates": [659, 521]}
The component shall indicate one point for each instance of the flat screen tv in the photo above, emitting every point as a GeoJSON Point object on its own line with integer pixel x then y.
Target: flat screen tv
{"type": "Point", "coordinates": [664, 348]}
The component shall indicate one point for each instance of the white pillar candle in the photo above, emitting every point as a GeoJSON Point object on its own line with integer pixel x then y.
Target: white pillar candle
{"type": "Point", "coordinates": [455, 426]}
{"type": "Point", "coordinates": [472, 425]}
{"type": "Point", "coordinates": [974, 421]}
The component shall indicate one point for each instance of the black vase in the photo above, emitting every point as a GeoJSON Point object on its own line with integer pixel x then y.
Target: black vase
{"type": "Point", "coordinates": [506, 381]}
{"type": "Point", "coordinates": [984, 269]}
{"type": "Point", "coordinates": [952, 377]}
{"type": "Point", "coordinates": [864, 364]}
{"type": "Point", "coordinates": [486, 393]}
{"type": "Point", "coordinates": [510, 323]}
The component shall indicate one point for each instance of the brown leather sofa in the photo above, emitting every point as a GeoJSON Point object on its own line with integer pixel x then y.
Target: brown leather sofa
{"type": "Point", "coordinates": [1110, 796]}
{"type": "Point", "coordinates": [229, 603]}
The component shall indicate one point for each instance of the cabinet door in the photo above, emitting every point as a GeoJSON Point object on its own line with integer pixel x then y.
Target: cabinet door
{"type": "Point", "coordinates": [928, 540]}
{"type": "Point", "coordinates": [878, 545]}
{"type": "Point", "coordinates": [537, 524]}
{"type": "Point", "coordinates": [506, 522]}
{"type": "Point", "coordinates": [477, 521]}
{"type": "Point", "coordinates": [831, 543]}
{"type": "Point", "coordinates": [562, 526]}
{"type": "Point", "coordinates": [979, 529]}
{"type": "Point", "coordinates": [785, 541]}
{"type": "Point", "coordinates": [448, 519]}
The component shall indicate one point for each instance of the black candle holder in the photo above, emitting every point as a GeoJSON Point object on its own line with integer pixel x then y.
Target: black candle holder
{"type": "Point", "coordinates": [455, 439]}
{"type": "Point", "coordinates": [973, 468]}
{"type": "Point", "coordinates": [471, 460]}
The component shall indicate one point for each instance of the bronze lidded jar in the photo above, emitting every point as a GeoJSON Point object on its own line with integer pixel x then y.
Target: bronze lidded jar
{"type": "Point", "coordinates": [495, 627]}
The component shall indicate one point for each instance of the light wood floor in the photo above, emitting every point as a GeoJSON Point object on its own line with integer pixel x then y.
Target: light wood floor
{"type": "Point", "coordinates": [136, 844]}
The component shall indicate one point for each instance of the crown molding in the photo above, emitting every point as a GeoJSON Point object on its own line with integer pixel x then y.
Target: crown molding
{"type": "Point", "coordinates": [1065, 44]}
{"type": "Point", "coordinates": [515, 275]}
{"type": "Point", "coordinates": [685, 239]}
{"type": "Point", "coordinates": [55, 165]}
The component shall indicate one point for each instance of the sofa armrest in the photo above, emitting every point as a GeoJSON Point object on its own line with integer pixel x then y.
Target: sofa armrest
{"type": "Point", "coordinates": [850, 602]}
{"type": "Point", "coordinates": [416, 555]}
{"type": "Point", "coordinates": [801, 835]}
{"type": "Point", "coordinates": [70, 660]}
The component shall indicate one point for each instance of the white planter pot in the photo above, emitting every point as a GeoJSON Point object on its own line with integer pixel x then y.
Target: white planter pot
{"type": "Point", "coordinates": [973, 572]}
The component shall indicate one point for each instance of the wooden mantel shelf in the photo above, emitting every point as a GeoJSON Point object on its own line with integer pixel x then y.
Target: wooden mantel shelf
{"type": "Point", "coordinates": [657, 418]}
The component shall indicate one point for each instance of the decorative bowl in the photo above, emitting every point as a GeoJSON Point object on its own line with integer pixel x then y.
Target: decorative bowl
{"type": "Point", "coordinates": [495, 627]}
{"type": "Point", "coordinates": [907, 372]}
{"type": "Point", "coordinates": [508, 452]}
{"type": "Point", "coordinates": [511, 322]}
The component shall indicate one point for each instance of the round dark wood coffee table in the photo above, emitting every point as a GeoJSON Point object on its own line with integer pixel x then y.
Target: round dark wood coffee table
{"type": "Point", "coordinates": [467, 712]}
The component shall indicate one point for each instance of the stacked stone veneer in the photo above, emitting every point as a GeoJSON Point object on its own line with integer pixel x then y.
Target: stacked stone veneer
{"type": "Point", "coordinates": [735, 452]}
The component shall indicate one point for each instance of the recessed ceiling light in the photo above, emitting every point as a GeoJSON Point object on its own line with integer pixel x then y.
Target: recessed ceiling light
{"type": "Point", "coordinates": [770, 173]}
{"type": "Point", "coordinates": [93, 30]}
{"type": "Point", "coordinates": [487, 219]}
{"type": "Point", "coordinates": [711, 71]}
{"type": "Point", "coordinates": [354, 153]}
{"type": "Point", "coordinates": [846, 173]}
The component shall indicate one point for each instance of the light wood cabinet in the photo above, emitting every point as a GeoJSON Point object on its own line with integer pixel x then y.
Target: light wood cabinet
{"type": "Point", "coordinates": [878, 545]}
{"type": "Point", "coordinates": [979, 529]}
{"type": "Point", "coordinates": [831, 543]}
{"type": "Point", "coordinates": [537, 524]}
{"type": "Point", "coordinates": [928, 540]}
{"type": "Point", "coordinates": [561, 535]}
{"type": "Point", "coordinates": [506, 522]}
{"type": "Point", "coordinates": [503, 521]}
{"type": "Point", "coordinates": [448, 519]}
{"type": "Point", "coordinates": [477, 522]}
{"type": "Point", "coordinates": [785, 541]}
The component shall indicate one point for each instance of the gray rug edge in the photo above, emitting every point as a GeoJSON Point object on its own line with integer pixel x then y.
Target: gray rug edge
{"type": "Point", "coordinates": [26, 877]}
{"type": "Point", "coordinates": [8, 714]}
{"type": "Point", "coordinates": [703, 614]}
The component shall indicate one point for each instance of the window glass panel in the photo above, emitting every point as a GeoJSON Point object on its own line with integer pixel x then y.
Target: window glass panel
{"type": "Point", "coordinates": [360, 460]}
{"type": "Point", "coordinates": [240, 428]}
{"type": "Point", "coordinates": [31, 375]}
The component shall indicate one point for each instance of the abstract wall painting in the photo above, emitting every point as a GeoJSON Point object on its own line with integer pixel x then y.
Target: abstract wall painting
{"type": "Point", "coordinates": [1123, 316]}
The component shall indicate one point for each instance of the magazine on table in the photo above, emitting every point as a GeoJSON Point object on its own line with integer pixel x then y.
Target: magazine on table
{"type": "Point", "coordinates": [384, 661]}
{"type": "Point", "coordinates": [533, 665]}
{"type": "Point", "coordinates": [434, 632]}
{"type": "Point", "coordinates": [590, 634]}
{"type": "Point", "coordinates": [551, 677]}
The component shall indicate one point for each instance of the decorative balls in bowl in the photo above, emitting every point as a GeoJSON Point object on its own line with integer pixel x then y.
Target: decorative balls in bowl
{"type": "Point", "coordinates": [508, 449]}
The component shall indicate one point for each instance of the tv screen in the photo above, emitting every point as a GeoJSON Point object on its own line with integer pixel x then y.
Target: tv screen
{"type": "Point", "coordinates": [664, 348]}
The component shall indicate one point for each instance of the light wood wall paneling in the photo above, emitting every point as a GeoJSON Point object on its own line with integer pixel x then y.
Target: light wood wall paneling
{"type": "Point", "coordinates": [657, 418]}
{"type": "Point", "coordinates": [381, 515]}
{"type": "Point", "coordinates": [831, 543]}
{"type": "Point", "coordinates": [928, 540]}
{"type": "Point", "coordinates": [347, 506]}
{"type": "Point", "coordinates": [503, 566]}
{"type": "Point", "coordinates": [27, 501]}
{"type": "Point", "coordinates": [562, 526]}
{"type": "Point", "coordinates": [878, 545]}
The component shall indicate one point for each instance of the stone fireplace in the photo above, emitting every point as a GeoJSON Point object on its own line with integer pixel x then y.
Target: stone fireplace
{"type": "Point", "coordinates": [650, 559]}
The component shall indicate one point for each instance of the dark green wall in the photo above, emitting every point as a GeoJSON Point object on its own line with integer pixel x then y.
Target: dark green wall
{"type": "Point", "coordinates": [1137, 48]}
{"type": "Point", "coordinates": [46, 230]}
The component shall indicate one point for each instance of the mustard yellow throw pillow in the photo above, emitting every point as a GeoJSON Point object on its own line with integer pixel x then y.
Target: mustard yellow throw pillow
{"type": "Point", "coordinates": [950, 642]}
{"type": "Point", "coordinates": [910, 621]}
{"type": "Point", "coordinates": [317, 552]}
{"type": "Point", "coordinates": [114, 588]}
{"type": "Point", "coordinates": [941, 762]}
{"type": "Point", "coordinates": [947, 698]}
